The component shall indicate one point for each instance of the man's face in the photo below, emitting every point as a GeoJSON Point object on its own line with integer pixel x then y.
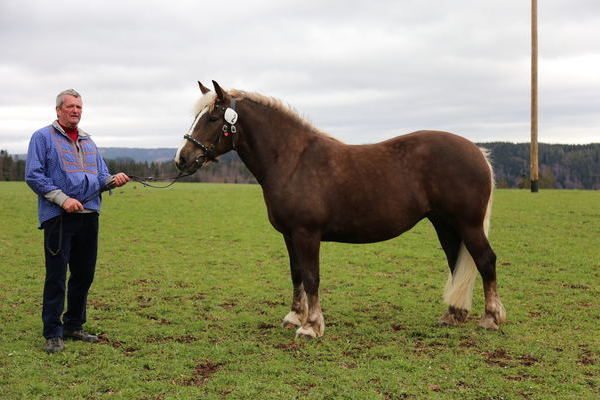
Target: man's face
{"type": "Point", "coordinates": [69, 113]}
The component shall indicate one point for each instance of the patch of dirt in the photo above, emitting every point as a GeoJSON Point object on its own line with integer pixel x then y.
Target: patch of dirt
{"type": "Point", "coordinates": [381, 357]}
{"type": "Point", "coordinates": [273, 303]}
{"type": "Point", "coordinates": [395, 396]}
{"type": "Point", "coordinates": [463, 384]}
{"type": "Point", "coordinates": [527, 360]}
{"type": "Point", "coordinates": [263, 326]}
{"type": "Point", "coordinates": [179, 339]}
{"type": "Point", "coordinates": [518, 378]}
{"type": "Point", "coordinates": [292, 346]}
{"type": "Point", "coordinates": [468, 343]}
{"type": "Point", "coordinates": [159, 396]}
{"type": "Point", "coordinates": [228, 305]}
{"type": "Point", "coordinates": [586, 357]}
{"type": "Point", "coordinates": [161, 321]}
{"type": "Point", "coordinates": [143, 282]}
{"type": "Point", "coordinates": [535, 314]}
{"type": "Point", "coordinates": [398, 327]}
{"type": "Point", "coordinates": [503, 358]}
{"type": "Point", "coordinates": [435, 388]}
{"type": "Point", "coordinates": [202, 373]}
{"type": "Point", "coordinates": [586, 304]}
{"type": "Point", "coordinates": [498, 357]}
{"type": "Point", "coordinates": [582, 287]}
{"type": "Point", "coordinates": [130, 350]}
{"type": "Point", "coordinates": [99, 305]}
{"type": "Point", "coordinates": [104, 339]}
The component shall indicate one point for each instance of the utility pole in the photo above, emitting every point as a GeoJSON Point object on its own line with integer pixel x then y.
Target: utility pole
{"type": "Point", "coordinates": [533, 167]}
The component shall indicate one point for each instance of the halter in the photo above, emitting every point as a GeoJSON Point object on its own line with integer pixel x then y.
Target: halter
{"type": "Point", "coordinates": [231, 117]}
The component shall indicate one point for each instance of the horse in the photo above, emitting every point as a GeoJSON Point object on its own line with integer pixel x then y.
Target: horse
{"type": "Point", "coordinates": [317, 188]}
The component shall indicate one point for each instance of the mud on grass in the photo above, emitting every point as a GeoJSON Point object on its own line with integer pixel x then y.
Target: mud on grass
{"type": "Point", "coordinates": [192, 283]}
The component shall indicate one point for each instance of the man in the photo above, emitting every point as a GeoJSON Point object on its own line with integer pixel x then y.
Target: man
{"type": "Point", "coordinates": [66, 171]}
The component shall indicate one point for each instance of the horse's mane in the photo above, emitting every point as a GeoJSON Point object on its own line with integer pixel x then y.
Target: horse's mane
{"type": "Point", "coordinates": [273, 103]}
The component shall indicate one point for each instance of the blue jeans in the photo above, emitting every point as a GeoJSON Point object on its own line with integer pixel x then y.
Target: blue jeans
{"type": "Point", "coordinates": [69, 240]}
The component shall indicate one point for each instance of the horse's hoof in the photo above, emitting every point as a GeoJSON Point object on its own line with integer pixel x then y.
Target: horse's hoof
{"type": "Point", "coordinates": [500, 314]}
{"type": "Point", "coordinates": [308, 333]}
{"type": "Point", "coordinates": [447, 320]}
{"type": "Point", "coordinates": [488, 322]}
{"type": "Point", "coordinates": [291, 321]}
{"type": "Point", "coordinates": [288, 325]}
{"type": "Point", "coordinates": [454, 317]}
{"type": "Point", "coordinates": [304, 336]}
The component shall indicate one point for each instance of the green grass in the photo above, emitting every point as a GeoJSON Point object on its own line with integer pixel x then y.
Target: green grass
{"type": "Point", "coordinates": [192, 283]}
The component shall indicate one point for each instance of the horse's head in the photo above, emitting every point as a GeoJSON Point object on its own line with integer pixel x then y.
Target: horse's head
{"type": "Point", "coordinates": [212, 133]}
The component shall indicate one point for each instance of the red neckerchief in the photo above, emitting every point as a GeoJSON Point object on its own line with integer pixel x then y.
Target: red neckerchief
{"type": "Point", "coordinates": [73, 133]}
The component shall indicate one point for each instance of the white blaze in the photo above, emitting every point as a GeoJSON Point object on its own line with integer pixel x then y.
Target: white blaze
{"type": "Point", "coordinates": [200, 114]}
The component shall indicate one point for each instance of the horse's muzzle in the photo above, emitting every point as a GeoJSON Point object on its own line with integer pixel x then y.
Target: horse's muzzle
{"type": "Point", "coordinates": [189, 167]}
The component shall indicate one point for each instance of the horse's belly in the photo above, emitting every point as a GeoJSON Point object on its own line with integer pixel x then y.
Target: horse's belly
{"type": "Point", "coordinates": [375, 231]}
{"type": "Point", "coordinates": [355, 237]}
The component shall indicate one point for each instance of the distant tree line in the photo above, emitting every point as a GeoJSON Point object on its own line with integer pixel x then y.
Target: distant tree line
{"type": "Point", "coordinates": [229, 169]}
{"type": "Point", "coordinates": [11, 168]}
{"type": "Point", "coordinates": [561, 167]}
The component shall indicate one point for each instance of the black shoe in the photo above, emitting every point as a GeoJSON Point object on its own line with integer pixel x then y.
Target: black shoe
{"type": "Point", "coordinates": [80, 335]}
{"type": "Point", "coordinates": [54, 345]}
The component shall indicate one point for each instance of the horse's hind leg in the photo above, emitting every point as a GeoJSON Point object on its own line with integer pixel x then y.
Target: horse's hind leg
{"type": "Point", "coordinates": [297, 316]}
{"type": "Point", "coordinates": [485, 260]}
{"type": "Point", "coordinates": [457, 299]}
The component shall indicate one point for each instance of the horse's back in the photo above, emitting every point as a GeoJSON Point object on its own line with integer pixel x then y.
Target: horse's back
{"type": "Point", "coordinates": [431, 171]}
{"type": "Point", "coordinates": [454, 173]}
{"type": "Point", "coordinates": [366, 193]}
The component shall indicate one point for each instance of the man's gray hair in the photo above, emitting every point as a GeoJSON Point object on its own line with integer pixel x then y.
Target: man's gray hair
{"type": "Point", "coordinates": [61, 96]}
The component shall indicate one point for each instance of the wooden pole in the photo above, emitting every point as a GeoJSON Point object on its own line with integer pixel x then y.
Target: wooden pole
{"type": "Point", "coordinates": [534, 171]}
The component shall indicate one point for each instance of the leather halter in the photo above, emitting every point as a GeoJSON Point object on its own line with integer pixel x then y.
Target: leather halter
{"type": "Point", "coordinates": [206, 152]}
{"type": "Point", "coordinates": [231, 117]}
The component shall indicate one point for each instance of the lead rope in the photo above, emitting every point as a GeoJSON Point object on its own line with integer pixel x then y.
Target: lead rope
{"type": "Point", "coordinates": [144, 181]}
{"type": "Point", "coordinates": [59, 221]}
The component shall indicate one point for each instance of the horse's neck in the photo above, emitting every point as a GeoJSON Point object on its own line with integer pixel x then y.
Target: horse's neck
{"type": "Point", "coordinates": [271, 141]}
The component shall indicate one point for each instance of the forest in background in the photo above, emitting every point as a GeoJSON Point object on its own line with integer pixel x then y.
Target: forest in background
{"type": "Point", "coordinates": [561, 166]}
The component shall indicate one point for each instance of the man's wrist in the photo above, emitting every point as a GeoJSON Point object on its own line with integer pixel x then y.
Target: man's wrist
{"type": "Point", "coordinates": [57, 196]}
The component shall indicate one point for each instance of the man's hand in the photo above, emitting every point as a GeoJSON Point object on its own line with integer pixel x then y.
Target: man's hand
{"type": "Point", "coordinates": [120, 179]}
{"type": "Point", "coordinates": [71, 205]}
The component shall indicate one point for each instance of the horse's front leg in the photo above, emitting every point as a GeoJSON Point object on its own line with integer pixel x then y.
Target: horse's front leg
{"type": "Point", "coordinates": [297, 316]}
{"type": "Point", "coordinates": [306, 249]}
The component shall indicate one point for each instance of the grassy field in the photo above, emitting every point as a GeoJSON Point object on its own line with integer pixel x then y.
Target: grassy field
{"type": "Point", "coordinates": [192, 283]}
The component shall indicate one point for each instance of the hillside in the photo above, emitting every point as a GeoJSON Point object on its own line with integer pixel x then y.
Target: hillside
{"type": "Point", "coordinates": [138, 155]}
{"type": "Point", "coordinates": [561, 166]}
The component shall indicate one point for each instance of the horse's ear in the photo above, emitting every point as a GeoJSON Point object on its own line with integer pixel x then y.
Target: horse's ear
{"type": "Point", "coordinates": [221, 94]}
{"type": "Point", "coordinates": [203, 88]}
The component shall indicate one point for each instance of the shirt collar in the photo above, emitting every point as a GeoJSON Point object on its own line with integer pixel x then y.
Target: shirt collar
{"type": "Point", "coordinates": [82, 133]}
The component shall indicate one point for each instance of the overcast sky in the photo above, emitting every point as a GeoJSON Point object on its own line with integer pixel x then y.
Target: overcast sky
{"type": "Point", "coordinates": [362, 71]}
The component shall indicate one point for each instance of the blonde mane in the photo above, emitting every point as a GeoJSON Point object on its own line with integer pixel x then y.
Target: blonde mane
{"type": "Point", "coordinates": [209, 99]}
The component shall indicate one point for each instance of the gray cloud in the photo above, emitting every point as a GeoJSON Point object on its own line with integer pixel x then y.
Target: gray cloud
{"type": "Point", "coordinates": [363, 71]}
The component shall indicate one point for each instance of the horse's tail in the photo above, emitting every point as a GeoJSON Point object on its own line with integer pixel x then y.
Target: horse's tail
{"type": "Point", "coordinates": [459, 287]}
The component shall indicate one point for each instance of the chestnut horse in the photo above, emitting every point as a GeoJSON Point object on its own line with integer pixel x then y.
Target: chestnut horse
{"type": "Point", "coordinates": [317, 188]}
